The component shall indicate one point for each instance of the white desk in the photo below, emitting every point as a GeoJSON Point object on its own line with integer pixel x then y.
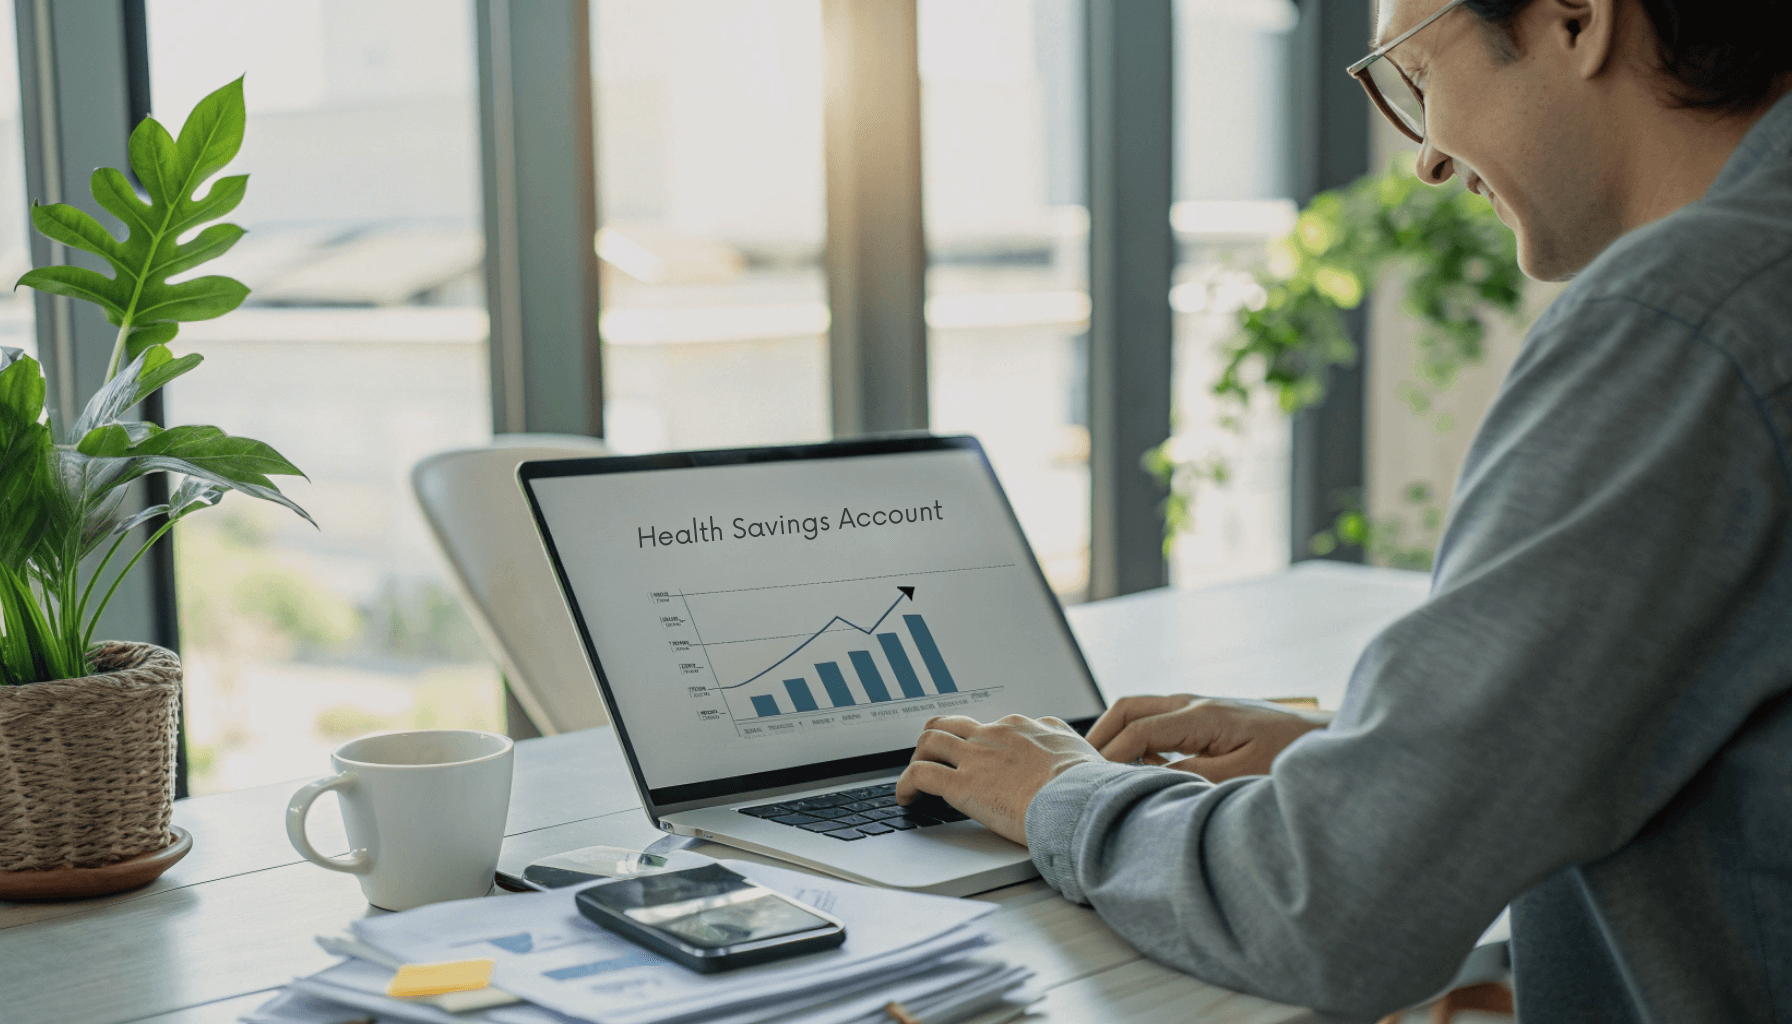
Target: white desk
{"type": "Point", "coordinates": [234, 919]}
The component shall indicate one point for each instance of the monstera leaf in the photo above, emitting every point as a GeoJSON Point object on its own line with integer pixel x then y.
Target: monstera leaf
{"type": "Point", "coordinates": [138, 298]}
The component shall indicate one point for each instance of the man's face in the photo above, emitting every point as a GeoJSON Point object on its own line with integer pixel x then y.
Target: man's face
{"type": "Point", "coordinates": [1522, 132]}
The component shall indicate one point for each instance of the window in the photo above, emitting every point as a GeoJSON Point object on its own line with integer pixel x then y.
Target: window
{"type": "Point", "coordinates": [1007, 236]}
{"type": "Point", "coordinates": [711, 196]}
{"type": "Point", "coordinates": [17, 316]}
{"type": "Point", "coordinates": [361, 349]}
{"type": "Point", "coordinates": [1232, 184]}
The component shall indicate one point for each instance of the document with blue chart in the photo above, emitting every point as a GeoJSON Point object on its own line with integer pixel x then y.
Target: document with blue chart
{"type": "Point", "coordinates": [754, 617]}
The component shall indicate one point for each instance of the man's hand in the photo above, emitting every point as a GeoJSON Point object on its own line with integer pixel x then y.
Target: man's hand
{"type": "Point", "coordinates": [991, 772]}
{"type": "Point", "coordinates": [1220, 739]}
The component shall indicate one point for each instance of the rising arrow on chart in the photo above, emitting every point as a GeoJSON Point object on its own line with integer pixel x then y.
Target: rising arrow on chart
{"type": "Point", "coordinates": [906, 592]}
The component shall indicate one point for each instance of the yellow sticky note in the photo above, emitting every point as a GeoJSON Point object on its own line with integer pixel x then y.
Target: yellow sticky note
{"type": "Point", "coordinates": [435, 979]}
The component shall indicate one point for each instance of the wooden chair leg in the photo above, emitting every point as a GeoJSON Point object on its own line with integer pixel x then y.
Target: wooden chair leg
{"type": "Point", "coordinates": [1490, 996]}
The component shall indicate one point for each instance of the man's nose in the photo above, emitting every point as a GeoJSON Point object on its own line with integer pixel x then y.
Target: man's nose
{"type": "Point", "coordinates": [1434, 167]}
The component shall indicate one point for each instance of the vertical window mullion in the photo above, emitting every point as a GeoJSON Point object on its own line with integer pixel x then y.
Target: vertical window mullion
{"type": "Point", "coordinates": [876, 258]}
{"type": "Point", "coordinates": [540, 182]}
{"type": "Point", "coordinates": [1331, 149]}
{"type": "Point", "coordinates": [1131, 262]}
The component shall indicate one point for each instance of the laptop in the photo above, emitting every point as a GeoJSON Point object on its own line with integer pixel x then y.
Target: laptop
{"type": "Point", "coordinates": [770, 628]}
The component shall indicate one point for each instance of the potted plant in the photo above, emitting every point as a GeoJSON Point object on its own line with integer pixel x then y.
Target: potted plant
{"type": "Point", "coordinates": [88, 729]}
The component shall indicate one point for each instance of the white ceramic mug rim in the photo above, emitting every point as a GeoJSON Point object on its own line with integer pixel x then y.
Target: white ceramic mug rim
{"type": "Point", "coordinates": [509, 745]}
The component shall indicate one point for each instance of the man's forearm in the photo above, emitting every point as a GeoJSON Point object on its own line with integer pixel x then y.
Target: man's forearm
{"type": "Point", "coordinates": [1142, 845]}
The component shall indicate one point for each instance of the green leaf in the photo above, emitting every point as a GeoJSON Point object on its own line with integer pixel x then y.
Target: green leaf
{"type": "Point", "coordinates": [213, 133]}
{"type": "Point", "coordinates": [127, 525]}
{"type": "Point", "coordinates": [192, 495]}
{"type": "Point", "coordinates": [78, 283]}
{"type": "Point", "coordinates": [30, 651]}
{"type": "Point", "coordinates": [241, 459]}
{"type": "Point", "coordinates": [115, 396]}
{"type": "Point", "coordinates": [77, 229]}
{"type": "Point", "coordinates": [25, 444]}
{"type": "Point", "coordinates": [22, 391]}
{"type": "Point", "coordinates": [109, 474]}
{"type": "Point", "coordinates": [113, 191]}
{"type": "Point", "coordinates": [144, 338]}
{"type": "Point", "coordinates": [204, 298]}
{"type": "Point", "coordinates": [156, 162]}
{"type": "Point", "coordinates": [139, 295]}
{"type": "Point", "coordinates": [150, 370]}
{"type": "Point", "coordinates": [111, 441]}
{"type": "Point", "coordinates": [212, 242]}
{"type": "Point", "coordinates": [225, 194]}
{"type": "Point", "coordinates": [154, 377]}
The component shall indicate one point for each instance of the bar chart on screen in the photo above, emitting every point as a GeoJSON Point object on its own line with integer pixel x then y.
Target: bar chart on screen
{"type": "Point", "coordinates": [821, 654]}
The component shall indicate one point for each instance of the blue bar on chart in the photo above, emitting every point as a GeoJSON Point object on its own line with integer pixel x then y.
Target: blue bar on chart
{"type": "Point", "coordinates": [800, 695]}
{"type": "Point", "coordinates": [905, 670]}
{"type": "Point", "coordinates": [766, 706]}
{"type": "Point", "coordinates": [838, 694]}
{"type": "Point", "coordinates": [869, 675]}
{"type": "Point", "coordinates": [930, 653]}
{"type": "Point", "coordinates": [831, 678]}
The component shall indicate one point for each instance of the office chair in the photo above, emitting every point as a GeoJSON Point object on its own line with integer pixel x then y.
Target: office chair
{"type": "Point", "coordinates": [482, 524]}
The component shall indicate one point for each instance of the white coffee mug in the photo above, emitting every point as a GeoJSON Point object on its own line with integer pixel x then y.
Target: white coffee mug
{"type": "Point", "coordinates": [424, 813]}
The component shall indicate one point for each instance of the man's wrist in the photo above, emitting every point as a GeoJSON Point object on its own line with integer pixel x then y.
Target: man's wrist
{"type": "Point", "coordinates": [1053, 818]}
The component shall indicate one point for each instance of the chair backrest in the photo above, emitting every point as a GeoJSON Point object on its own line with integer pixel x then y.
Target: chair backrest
{"type": "Point", "coordinates": [482, 523]}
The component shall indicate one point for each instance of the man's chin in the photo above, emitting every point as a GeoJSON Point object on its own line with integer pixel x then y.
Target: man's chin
{"type": "Point", "coordinates": [1544, 262]}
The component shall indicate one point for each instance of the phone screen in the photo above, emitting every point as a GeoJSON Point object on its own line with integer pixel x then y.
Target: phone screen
{"type": "Point", "coordinates": [710, 906]}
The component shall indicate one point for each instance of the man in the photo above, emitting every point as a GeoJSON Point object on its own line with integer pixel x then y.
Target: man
{"type": "Point", "coordinates": [1591, 717]}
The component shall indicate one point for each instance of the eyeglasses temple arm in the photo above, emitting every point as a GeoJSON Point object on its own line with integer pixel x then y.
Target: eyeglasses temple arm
{"type": "Point", "coordinates": [1381, 51]}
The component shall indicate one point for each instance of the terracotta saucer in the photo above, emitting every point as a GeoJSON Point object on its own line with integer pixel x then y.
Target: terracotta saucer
{"type": "Point", "coordinates": [79, 883]}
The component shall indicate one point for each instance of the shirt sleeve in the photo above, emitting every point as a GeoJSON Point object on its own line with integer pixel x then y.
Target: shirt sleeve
{"type": "Point", "coordinates": [1616, 565]}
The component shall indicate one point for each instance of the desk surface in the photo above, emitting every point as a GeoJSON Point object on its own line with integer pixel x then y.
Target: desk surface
{"type": "Point", "coordinates": [233, 920]}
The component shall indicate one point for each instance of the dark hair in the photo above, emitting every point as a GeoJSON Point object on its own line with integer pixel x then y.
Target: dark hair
{"type": "Point", "coordinates": [1722, 54]}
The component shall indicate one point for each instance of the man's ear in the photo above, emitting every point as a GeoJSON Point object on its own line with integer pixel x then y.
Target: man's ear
{"type": "Point", "coordinates": [1586, 31]}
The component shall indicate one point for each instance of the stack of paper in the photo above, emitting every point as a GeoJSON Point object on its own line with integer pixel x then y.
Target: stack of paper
{"type": "Point", "coordinates": [920, 951]}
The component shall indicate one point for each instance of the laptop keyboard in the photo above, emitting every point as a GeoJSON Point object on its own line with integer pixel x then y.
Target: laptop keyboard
{"type": "Point", "coordinates": [856, 813]}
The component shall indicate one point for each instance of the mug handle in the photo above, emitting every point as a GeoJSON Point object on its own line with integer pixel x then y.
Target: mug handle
{"type": "Point", "coordinates": [358, 862]}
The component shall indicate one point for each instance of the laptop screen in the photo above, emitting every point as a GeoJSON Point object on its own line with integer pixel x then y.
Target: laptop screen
{"type": "Point", "coordinates": [771, 617]}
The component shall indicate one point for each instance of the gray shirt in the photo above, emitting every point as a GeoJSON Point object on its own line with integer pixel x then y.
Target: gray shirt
{"type": "Point", "coordinates": [1590, 718]}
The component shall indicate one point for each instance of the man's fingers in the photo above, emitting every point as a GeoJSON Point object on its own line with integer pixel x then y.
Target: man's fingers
{"type": "Point", "coordinates": [926, 777]}
{"type": "Point", "coordinates": [943, 747]}
{"type": "Point", "coordinates": [1127, 710]}
{"type": "Point", "coordinates": [1112, 721]}
{"type": "Point", "coordinates": [1147, 736]}
{"type": "Point", "coordinates": [1130, 744]}
{"type": "Point", "coordinates": [957, 725]}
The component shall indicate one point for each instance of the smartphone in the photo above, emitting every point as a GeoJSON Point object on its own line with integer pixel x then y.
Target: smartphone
{"type": "Point", "coordinates": [592, 863]}
{"type": "Point", "coordinates": [709, 918]}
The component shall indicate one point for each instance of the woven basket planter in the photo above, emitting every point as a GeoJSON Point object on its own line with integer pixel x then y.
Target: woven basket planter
{"type": "Point", "coordinates": [87, 765]}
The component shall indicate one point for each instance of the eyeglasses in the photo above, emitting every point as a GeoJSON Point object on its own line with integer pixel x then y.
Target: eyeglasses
{"type": "Point", "coordinates": [1395, 96]}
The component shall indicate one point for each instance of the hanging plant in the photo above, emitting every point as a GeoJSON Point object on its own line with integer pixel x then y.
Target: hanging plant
{"type": "Point", "coordinates": [1457, 261]}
